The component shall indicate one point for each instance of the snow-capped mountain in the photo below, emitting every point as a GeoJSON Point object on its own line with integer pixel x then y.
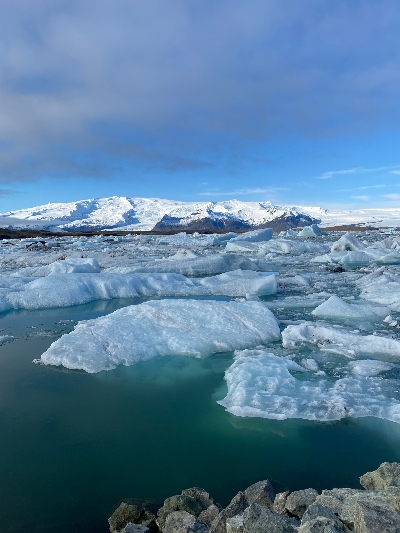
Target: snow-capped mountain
{"type": "Point", "coordinates": [144, 214]}
{"type": "Point", "coordinates": [147, 213]}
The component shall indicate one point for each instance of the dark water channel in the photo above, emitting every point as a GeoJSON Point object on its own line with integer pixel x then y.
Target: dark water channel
{"type": "Point", "coordinates": [73, 445]}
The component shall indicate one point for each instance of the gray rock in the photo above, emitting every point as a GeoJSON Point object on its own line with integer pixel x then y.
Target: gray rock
{"type": "Point", "coordinates": [298, 501]}
{"type": "Point", "coordinates": [371, 517]}
{"type": "Point", "coordinates": [343, 502]}
{"type": "Point", "coordinates": [208, 515]}
{"type": "Point", "coordinates": [183, 522]}
{"type": "Point", "coordinates": [387, 475]}
{"type": "Point", "coordinates": [280, 503]}
{"type": "Point", "coordinates": [235, 524]}
{"type": "Point", "coordinates": [320, 519]}
{"type": "Point", "coordinates": [236, 507]}
{"type": "Point", "coordinates": [135, 528]}
{"type": "Point", "coordinates": [178, 503]}
{"type": "Point", "coordinates": [260, 519]}
{"type": "Point", "coordinates": [262, 493]}
{"type": "Point", "coordinates": [131, 514]}
{"type": "Point", "coordinates": [200, 495]}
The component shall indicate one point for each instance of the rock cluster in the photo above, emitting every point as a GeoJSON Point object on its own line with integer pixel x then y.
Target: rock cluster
{"type": "Point", "coordinates": [374, 509]}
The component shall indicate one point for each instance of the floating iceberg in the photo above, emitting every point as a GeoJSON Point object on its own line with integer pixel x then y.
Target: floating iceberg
{"type": "Point", "coordinates": [260, 384]}
{"type": "Point", "coordinates": [293, 247]}
{"type": "Point", "coordinates": [347, 242]}
{"type": "Point", "coordinates": [341, 341]}
{"type": "Point", "coordinates": [165, 327]}
{"type": "Point", "coordinates": [72, 265]}
{"type": "Point", "coordinates": [336, 309]}
{"type": "Point", "coordinates": [64, 290]}
{"type": "Point", "coordinates": [311, 231]}
{"type": "Point", "coordinates": [258, 235]}
{"type": "Point", "coordinates": [204, 265]}
{"type": "Point", "coordinates": [381, 287]}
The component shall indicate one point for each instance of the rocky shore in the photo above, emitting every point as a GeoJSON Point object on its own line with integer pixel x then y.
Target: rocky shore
{"type": "Point", "coordinates": [373, 509]}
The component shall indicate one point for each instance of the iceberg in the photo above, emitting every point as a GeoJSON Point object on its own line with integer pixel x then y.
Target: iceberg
{"type": "Point", "coordinates": [204, 265]}
{"type": "Point", "coordinates": [336, 309]}
{"type": "Point", "coordinates": [258, 235]}
{"type": "Point", "coordinates": [165, 327]}
{"type": "Point", "coordinates": [341, 341]}
{"type": "Point", "coordinates": [311, 231]}
{"type": "Point", "coordinates": [72, 265]}
{"type": "Point", "coordinates": [347, 242]}
{"type": "Point", "coordinates": [64, 290]}
{"type": "Point", "coordinates": [260, 384]}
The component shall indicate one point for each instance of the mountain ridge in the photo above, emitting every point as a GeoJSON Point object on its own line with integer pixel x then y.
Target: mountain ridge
{"type": "Point", "coordinates": [146, 214]}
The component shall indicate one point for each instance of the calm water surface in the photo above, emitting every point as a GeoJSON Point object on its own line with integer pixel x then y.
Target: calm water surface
{"type": "Point", "coordinates": [73, 445]}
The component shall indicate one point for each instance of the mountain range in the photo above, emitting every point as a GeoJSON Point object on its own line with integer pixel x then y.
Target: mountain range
{"type": "Point", "coordinates": [145, 214]}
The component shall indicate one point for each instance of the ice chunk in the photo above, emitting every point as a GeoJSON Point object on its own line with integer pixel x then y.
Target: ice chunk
{"type": "Point", "coordinates": [368, 367]}
{"type": "Point", "coordinates": [72, 265]}
{"type": "Point", "coordinates": [258, 235]}
{"type": "Point", "coordinates": [341, 341]}
{"type": "Point", "coordinates": [63, 290]}
{"type": "Point", "coordinates": [164, 327]}
{"type": "Point", "coordinates": [293, 247]}
{"type": "Point", "coordinates": [336, 309]}
{"type": "Point", "coordinates": [311, 231]}
{"type": "Point", "coordinates": [260, 385]}
{"type": "Point", "coordinates": [347, 242]}
{"type": "Point", "coordinates": [381, 287]}
{"type": "Point", "coordinates": [204, 265]}
{"type": "Point", "coordinates": [355, 259]}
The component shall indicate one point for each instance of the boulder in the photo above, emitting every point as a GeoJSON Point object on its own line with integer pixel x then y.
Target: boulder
{"type": "Point", "coordinates": [320, 519]}
{"type": "Point", "coordinates": [262, 493]}
{"type": "Point", "coordinates": [200, 495]}
{"type": "Point", "coordinates": [298, 501]}
{"type": "Point", "coordinates": [235, 524]}
{"type": "Point", "coordinates": [131, 514]}
{"type": "Point", "coordinates": [183, 522]}
{"type": "Point", "coordinates": [135, 528]}
{"type": "Point", "coordinates": [280, 503]}
{"type": "Point", "coordinates": [387, 475]}
{"type": "Point", "coordinates": [208, 515]}
{"type": "Point", "coordinates": [178, 503]}
{"type": "Point", "coordinates": [236, 507]}
{"type": "Point", "coordinates": [259, 519]}
{"type": "Point", "coordinates": [372, 517]}
{"type": "Point", "coordinates": [344, 503]}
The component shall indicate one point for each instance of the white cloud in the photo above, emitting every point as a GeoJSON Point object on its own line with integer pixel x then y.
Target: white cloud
{"type": "Point", "coordinates": [393, 169]}
{"type": "Point", "coordinates": [393, 196]}
{"type": "Point", "coordinates": [362, 188]}
{"type": "Point", "coordinates": [362, 198]}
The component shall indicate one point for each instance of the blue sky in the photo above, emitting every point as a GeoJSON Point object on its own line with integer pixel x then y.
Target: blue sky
{"type": "Point", "coordinates": [199, 100]}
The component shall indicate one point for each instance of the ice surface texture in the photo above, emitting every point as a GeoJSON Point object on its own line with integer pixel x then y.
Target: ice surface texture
{"type": "Point", "coordinates": [63, 290]}
{"type": "Point", "coordinates": [165, 327]}
{"type": "Point", "coordinates": [340, 340]}
{"type": "Point", "coordinates": [260, 384]}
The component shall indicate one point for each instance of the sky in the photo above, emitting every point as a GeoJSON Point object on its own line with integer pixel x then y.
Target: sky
{"type": "Point", "coordinates": [199, 100]}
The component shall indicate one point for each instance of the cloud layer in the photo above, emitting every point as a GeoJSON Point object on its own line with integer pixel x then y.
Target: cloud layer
{"type": "Point", "coordinates": [88, 85]}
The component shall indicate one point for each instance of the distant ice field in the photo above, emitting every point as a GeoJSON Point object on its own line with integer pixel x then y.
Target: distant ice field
{"type": "Point", "coordinates": [313, 318]}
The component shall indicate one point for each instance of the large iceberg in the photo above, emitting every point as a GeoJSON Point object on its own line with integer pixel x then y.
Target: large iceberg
{"type": "Point", "coordinates": [165, 327]}
{"type": "Point", "coordinates": [204, 265]}
{"type": "Point", "coordinates": [64, 290]}
{"type": "Point", "coordinates": [260, 384]}
{"type": "Point", "coordinates": [341, 341]}
{"type": "Point", "coordinates": [337, 309]}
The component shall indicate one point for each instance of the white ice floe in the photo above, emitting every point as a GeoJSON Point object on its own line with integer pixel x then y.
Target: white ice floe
{"type": "Point", "coordinates": [381, 287]}
{"type": "Point", "coordinates": [311, 231]}
{"type": "Point", "coordinates": [259, 235]}
{"type": "Point", "coordinates": [72, 265]}
{"type": "Point", "coordinates": [260, 384]}
{"type": "Point", "coordinates": [293, 247]}
{"type": "Point", "coordinates": [341, 341]}
{"type": "Point", "coordinates": [165, 327]}
{"type": "Point", "coordinates": [204, 265]}
{"type": "Point", "coordinates": [347, 242]}
{"type": "Point", "coordinates": [368, 367]}
{"type": "Point", "coordinates": [63, 290]}
{"type": "Point", "coordinates": [337, 309]}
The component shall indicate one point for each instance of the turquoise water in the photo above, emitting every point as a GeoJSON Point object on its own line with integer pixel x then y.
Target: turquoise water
{"type": "Point", "coordinates": [73, 445]}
